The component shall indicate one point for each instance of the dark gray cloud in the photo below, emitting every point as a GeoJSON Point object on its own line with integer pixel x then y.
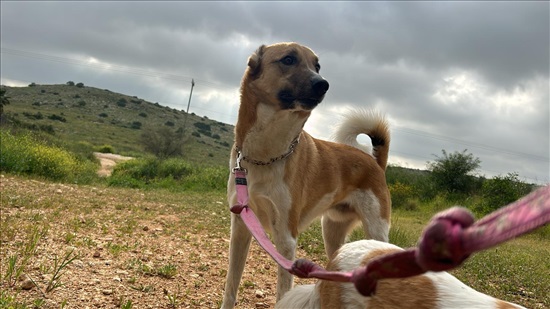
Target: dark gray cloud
{"type": "Point", "coordinates": [450, 75]}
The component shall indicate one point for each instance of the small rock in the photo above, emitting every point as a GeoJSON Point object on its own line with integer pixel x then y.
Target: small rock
{"type": "Point", "coordinates": [27, 284]}
{"type": "Point", "coordinates": [145, 228]}
{"type": "Point", "coordinates": [58, 191]}
{"type": "Point", "coordinates": [97, 254]}
{"type": "Point", "coordinates": [259, 294]}
{"type": "Point", "coordinates": [262, 305]}
{"type": "Point", "coordinates": [107, 292]}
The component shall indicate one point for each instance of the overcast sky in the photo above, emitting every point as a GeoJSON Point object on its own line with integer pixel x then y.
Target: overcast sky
{"type": "Point", "coordinates": [448, 75]}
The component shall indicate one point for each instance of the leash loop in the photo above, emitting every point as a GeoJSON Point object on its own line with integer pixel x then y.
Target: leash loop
{"type": "Point", "coordinates": [441, 246]}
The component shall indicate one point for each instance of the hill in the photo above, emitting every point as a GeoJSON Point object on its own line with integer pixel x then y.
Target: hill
{"type": "Point", "coordinates": [84, 114]}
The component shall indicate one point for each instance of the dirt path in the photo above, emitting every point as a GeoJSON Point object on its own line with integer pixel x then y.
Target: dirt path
{"type": "Point", "coordinates": [108, 162]}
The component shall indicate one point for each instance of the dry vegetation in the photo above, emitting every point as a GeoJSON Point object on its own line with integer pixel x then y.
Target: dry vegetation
{"type": "Point", "coordinates": [150, 249]}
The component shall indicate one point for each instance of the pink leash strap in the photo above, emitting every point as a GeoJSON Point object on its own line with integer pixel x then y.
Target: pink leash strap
{"type": "Point", "coordinates": [447, 241]}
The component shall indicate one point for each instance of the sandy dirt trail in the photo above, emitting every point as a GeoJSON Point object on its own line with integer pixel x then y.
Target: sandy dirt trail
{"type": "Point", "coordinates": [108, 162]}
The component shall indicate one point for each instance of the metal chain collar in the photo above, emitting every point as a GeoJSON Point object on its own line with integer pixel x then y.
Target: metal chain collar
{"type": "Point", "coordinates": [272, 160]}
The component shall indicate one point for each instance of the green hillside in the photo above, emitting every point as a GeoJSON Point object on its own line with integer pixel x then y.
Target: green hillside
{"type": "Point", "coordinates": [79, 113]}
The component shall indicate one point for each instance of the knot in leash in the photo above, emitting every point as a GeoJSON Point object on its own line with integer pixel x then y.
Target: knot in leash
{"type": "Point", "coordinates": [304, 268]}
{"type": "Point", "coordinates": [441, 246]}
{"type": "Point", "coordinates": [237, 209]}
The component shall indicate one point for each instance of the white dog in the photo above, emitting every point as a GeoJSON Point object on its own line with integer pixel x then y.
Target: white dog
{"type": "Point", "coordinates": [432, 290]}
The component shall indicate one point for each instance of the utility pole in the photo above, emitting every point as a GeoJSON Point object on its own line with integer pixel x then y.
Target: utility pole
{"type": "Point", "coordinates": [188, 104]}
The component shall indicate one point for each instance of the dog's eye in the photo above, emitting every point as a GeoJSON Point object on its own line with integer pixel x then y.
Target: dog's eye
{"type": "Point", "coordinates": [317, 67]}
{"type": "Point", "coordinates": [288, 60]}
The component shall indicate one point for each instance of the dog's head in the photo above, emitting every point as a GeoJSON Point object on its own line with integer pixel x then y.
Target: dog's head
{"type": "Point", "coordinates": [286, 75]}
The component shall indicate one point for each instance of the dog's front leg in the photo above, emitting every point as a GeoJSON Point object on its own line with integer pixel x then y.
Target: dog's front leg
{"type": "Point", "coordinates": [286, 245]}
{"type": "Point", "coordinates": [238, 250]}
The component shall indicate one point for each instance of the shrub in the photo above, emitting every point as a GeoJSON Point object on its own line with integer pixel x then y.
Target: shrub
{"type": "Point", "coordinates": [175, 174]}
{"type": "Point", "coordinates": [452, 171]}
{"type": "Point", "coordinates": [70, 83]}
{"type": "Point", "coordinates": [106, 149]}
{"type": "Point", "coordinates": [80, 85]}
{"type": "Point", "coordinates": [103, 115]}
{"type": "Point", "coordinates": [500, 191]}
{"type": "Point", "coordinates": [23, 154]}
{"type": "Point", "coordinates": [400, 194]}
{"type": "Point", "coordinates": [169, 123]}
{"type": "Point", "coordinates": [57, 117]}
{"type": "Point", "coordinates": [163, 142]}
{"type": "Point", "coordinates": [143, 115]}
{"type": "Point", "coordinates": [121, 102]}
{"type": "Point", "coordinates": [136, 125]}
{"type": "Point", "coordinates": [202, 126]}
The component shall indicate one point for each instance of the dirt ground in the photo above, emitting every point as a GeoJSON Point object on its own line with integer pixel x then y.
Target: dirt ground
{"type": "Point", "coordinates": [126, 241]}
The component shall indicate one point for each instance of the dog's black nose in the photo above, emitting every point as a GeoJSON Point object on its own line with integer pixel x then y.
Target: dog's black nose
{"type": "Point", "coordinates": [320, 86]}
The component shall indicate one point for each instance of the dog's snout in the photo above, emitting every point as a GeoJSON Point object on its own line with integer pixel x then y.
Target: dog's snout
{"type": "Point", "coordinates": [320, 86]}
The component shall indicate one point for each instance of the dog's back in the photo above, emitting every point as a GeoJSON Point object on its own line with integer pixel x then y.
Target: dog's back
{"type": "Point", "coordinates": [428, 291]}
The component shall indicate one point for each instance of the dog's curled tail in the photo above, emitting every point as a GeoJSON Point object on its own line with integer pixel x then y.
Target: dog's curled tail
{"type": "Point", "coordinates": [367, 122]}
{"type": "Point", "coordinates": [300, 297]}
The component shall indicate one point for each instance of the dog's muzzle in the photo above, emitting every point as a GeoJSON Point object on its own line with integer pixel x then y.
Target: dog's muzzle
{"type": "Point", "coordinates": [308, 98]}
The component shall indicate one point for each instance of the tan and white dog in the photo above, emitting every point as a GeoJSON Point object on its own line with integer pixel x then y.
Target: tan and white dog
{"type": "Point", "coordinates": [433, 290]}
{"type": "Point", "coordinates": [294, 178]}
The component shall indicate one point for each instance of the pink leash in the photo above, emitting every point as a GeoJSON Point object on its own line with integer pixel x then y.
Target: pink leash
{"type": "Point", "coordinates": [448, 240]}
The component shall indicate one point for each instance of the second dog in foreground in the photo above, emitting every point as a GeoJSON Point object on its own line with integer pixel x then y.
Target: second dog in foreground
{"type": "Point", "coordinates": [433, 290]}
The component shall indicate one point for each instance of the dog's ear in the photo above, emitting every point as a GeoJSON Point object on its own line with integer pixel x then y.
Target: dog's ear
{"type": "Point", "coordinates": [255, 60]}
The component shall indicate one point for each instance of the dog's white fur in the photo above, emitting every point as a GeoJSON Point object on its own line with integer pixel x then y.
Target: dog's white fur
{"type": "Point", "coordinates": [343, 184]}
{"type": "Point", "coordinates": [429, 291]}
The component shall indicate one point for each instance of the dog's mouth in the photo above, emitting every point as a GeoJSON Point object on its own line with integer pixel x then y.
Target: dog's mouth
{"type": "Point", "coordinates": [289, 101]}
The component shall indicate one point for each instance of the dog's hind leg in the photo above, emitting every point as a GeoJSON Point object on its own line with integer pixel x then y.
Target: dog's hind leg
{"type": "Point", "coordinates": [335, 229]}
{"type": "Point", "coordinates": [238, 250]}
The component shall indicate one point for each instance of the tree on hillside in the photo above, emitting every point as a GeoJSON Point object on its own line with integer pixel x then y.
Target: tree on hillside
{"type": "Point", "coordinates": [163, 142]}
{"type": "Point", "coordinates": [70, 83]}
{"type": "Point", "coordinates": [452, 172]}
{"type": "Point", "coordinates": [4, 100]}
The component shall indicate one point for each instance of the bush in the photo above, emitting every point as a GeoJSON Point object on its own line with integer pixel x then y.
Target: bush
{"type": "Point", "coordinates": [202, 126]}
{"type": "Point", "coordinates": [175, 174]}
{"type": "Point", "coordinates": [163, 142]}
{"type": "Point", "coordinates": [106, 149]}
{"type": "Point", "coordinates": [23, 154]}
{"type": "Point", "coordinates": [57, 117]}
{"type": "Point", "coordinates": [400, 194]}
{"type": "Point", "coordinates": [121, 102]}
{"type": "Point", "coordinates": [452, 172]}
{"type": "Point", "coordinates": [500, 191]}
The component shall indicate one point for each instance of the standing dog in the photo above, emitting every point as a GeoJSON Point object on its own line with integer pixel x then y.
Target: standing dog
{"type": "Point", "coordinates": [294, 178]}
{"type": "Point", "coordinates": [432, 290]}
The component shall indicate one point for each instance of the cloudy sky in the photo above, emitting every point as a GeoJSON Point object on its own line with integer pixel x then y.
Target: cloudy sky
{"type": "Point", "coordinates": [448, 75]}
